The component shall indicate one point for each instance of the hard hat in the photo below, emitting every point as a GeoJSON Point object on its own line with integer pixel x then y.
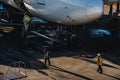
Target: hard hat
{"type": "Point", "coordinates": [98, 54]}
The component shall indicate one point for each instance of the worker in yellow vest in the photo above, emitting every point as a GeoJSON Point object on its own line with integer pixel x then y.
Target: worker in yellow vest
{"type": "Point", "coordinates": [26, 20]}
{"type": "Point", "coordinates": [99, 62]}
{"type": "Point", "coordinates": [46, 56]}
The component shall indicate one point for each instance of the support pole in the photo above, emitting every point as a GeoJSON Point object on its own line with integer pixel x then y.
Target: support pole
{"type": "Point", "coordinates": [118, 7]}
{"type": "Point", "coordinates": [111, 11]}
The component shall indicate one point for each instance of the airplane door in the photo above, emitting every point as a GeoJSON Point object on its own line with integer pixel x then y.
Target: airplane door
{"type": "Point", "coordinates": [42, 2]}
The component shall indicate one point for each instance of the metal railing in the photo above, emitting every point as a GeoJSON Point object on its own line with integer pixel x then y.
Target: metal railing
{"type": "Point", "coordinates": [17, 65]}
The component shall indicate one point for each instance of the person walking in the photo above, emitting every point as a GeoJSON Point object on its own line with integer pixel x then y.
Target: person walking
{"type": "Point", "coordinates": [99, 63]}
{"type": "Point", "coordinates": [46, 56]}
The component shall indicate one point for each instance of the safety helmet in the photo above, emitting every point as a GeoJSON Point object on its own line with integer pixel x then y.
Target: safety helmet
{"type": "Point", "coordinates": [98, 54]}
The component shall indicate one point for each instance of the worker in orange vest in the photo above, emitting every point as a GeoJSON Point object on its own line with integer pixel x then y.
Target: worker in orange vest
{"type": "Point", "coordinates": [99, 62]}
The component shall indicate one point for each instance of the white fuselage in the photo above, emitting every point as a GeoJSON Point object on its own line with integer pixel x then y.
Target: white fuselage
{"type": "Point", "coordinates": [69, 12]}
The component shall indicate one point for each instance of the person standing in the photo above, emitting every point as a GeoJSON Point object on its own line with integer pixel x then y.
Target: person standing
{"type": "Point", "coordinates": [99, 63]}
{"type": "Point", "coordinates": [46, 56]}
{"type": "Point", "coordinates": [26, 20]}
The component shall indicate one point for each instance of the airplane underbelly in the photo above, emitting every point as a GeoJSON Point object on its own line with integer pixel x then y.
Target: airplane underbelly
{"type": "Point", "coordinates": [64, 12]}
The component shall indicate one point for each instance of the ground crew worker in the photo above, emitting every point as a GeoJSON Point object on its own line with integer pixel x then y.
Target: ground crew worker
{"type": "Point", "coordinates": [26, 20]}
{"type": "Point", "coordinates": [99, 63]}
{"type": "Point", "coordinates": [46, 56]}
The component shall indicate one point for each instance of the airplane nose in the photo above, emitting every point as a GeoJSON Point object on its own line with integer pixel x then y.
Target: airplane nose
{"type": "Point", "coordinates": [94, 9]}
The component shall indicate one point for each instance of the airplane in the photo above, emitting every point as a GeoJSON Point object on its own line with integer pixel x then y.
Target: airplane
{"type": "Point", "coordinates": [68, 12]}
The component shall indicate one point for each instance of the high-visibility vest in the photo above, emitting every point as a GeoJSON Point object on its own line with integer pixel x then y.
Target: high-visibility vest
{"type": "Point", "coordinates": [101, 61]}
{"type": "Point", "coordinates": [26, 19]}
{"type": "Point", "coordinates": [47, 54]}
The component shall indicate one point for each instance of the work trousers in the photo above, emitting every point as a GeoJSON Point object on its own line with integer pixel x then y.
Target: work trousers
{"type": "Point", "coordinates": [26, 25]}
{"type": "Point", "coordinates": [100, 69]}
{"type": "Point", "coordinates": [47, 60]}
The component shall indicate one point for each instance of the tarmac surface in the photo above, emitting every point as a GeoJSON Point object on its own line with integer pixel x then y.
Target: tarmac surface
{"type": "Point", "coordinates": [66, 64]}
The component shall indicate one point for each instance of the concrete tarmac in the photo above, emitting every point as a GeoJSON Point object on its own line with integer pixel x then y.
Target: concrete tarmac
{"type": "Point", "coordinates": [67, 64]}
